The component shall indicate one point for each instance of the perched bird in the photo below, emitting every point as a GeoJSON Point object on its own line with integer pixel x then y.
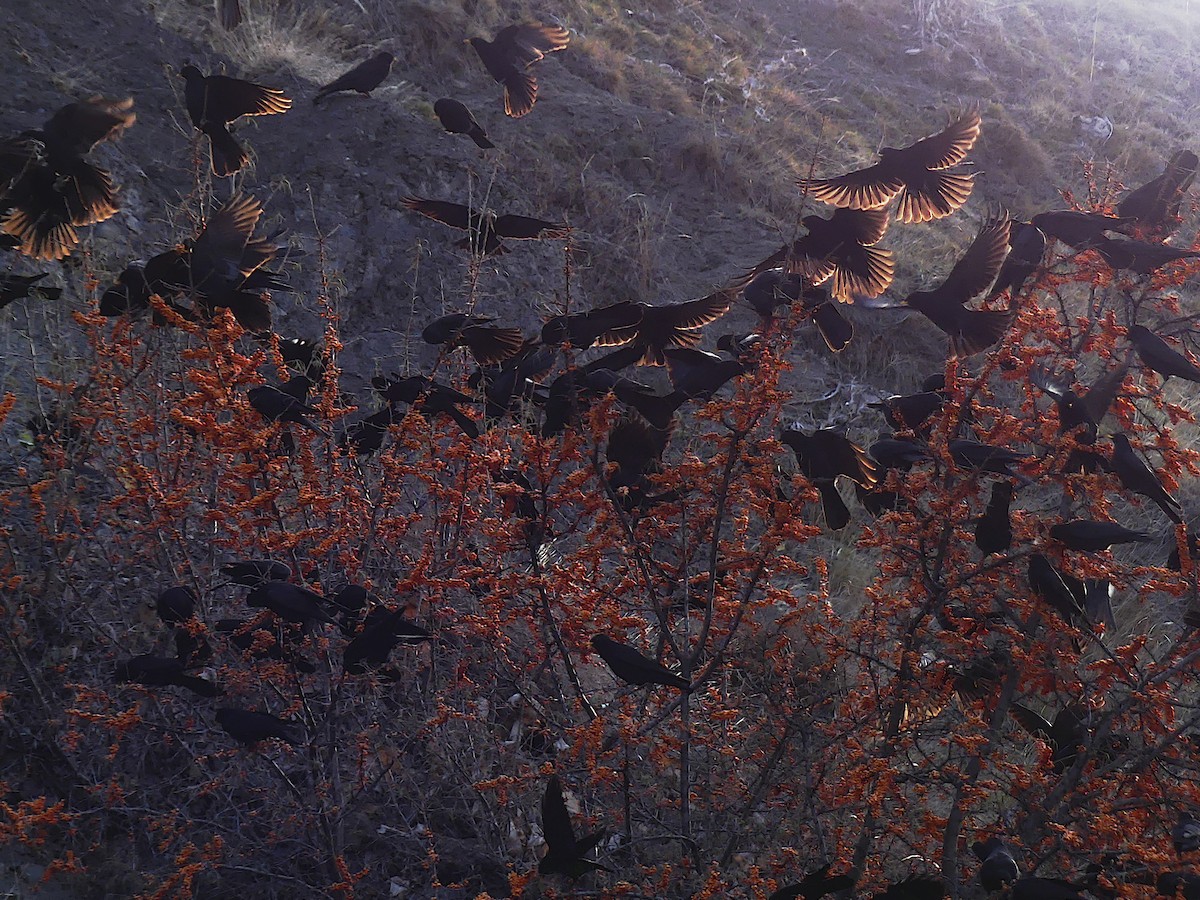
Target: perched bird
{"type": "Point", "coordinates": [214, 101]}
{"type": "Point", "coordinates": [632, 667]}
{"type": "Point", "coordinates": [47, 187]}
{"type": "Point", "coordinates": [1141, 257]}
{"type": "Point", "coordinates": [160, 671]}
{"type": "Point", "coordinates": [915, 887]}
{"type": "Point", "coordinates": [608, 326]}
{"type": "Point", "coordinates": [970, 330]}
{"type": "Point", "coordinates": [898, 453]}
{"type": "Point", "coordinates": [363, 78]}
{"type": "Point", "coordinates": [634, 449]}
{"type": "Point", "coordinates": [1157, 354]}
{"type": "Point", "coordinates": [382, 631]}
{"type": "Point", "coordinates": [993, 530]}
{"type": "Point", "coordinates": [699, 375]}
{"type": "Point", "coordinates": [1083, 534]}
{"type": "Point", "coordinates": [814, 885]}
{"type": "Point", "coordinates": [509, 56]}
{"type": "Point", "coordinates": [253, 572]}
{"type": "Point", "coordinates": [485, 229]}
{"type": "Point", "coordinates": [1079, 230]}
{"type": "Point", "coordinates": [247, 726]}
{"type": "Point", "coordinates": [488, 343]}
{"type": "Point", "coordinates": [1045, 889]}
{"type": "Point", "coordinates": [1135, 475]}
{"type": "Point", "coordinates": [840, 252]}
{"type": "Point", "coordinates": [18, 287]}
{"type": "Point", "coordinates": [916, 174]}
{"type": "Point", "coordinates": [1065, 593]}
{"type": "Point", "coordinates": [278, 404]}
{"type": "Point", "coordinates": [129, 293]}
{"type": "Point", "coordinates": [290, 602]}
{"type": "Point", "coordinates": [457, 119]}
{"type": "Point", "coordinates": [564, 854]}
{"type": "Point", "coordinates": [428, 398]}
{"type": "Point", "coordinates": [823, 457]}
{"type": "Point", "coordinates": [1065, 734]}
{"type": "Point", "coordinates": [176, 604]}
{"type": "Point", "coordinates": [974, 455]}
{"type": "Point", "coordinates": [1185, 835]}
{"type": "Point", "coordinates": [999, 867]}
{"type": "Point", "coordinates": [366, 435]}
{"type": "Point", "coordinates": [229, 13]}
{"type": "Point", "coordinates": [1178, 884]}
{"type": "Point", "coordinates": [1026, 249]}
{"type": "Point", "coordinates": [912, 411]}
{"type": "Point", "coordinates": [1155, 205]}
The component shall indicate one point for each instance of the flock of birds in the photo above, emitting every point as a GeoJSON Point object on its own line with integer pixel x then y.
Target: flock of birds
{"type": "Point", "coordinates": [49, 189]}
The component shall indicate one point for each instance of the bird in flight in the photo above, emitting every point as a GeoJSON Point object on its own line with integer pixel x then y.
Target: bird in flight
{"type": "Point", "coordinates": [214, 101]}
{"type": "Point", "coordinates": [509, 56]}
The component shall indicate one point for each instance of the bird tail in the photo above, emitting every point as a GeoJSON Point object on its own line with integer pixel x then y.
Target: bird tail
{"type": "Point", "coordinates": [39, 232]}
{"type": "Point", "coordinates": [465, 422]}
{"type": "Point", "coordinates": [981, 328]}
{"type": "Point", "coordinates": [837, 514]}
{"type": "Point", "coordinates": [230, 13]}
{"type": "Point", "coordinates": [201, 687]}
{"type": "Point", "coordinates": [833, 326]}
{"type": "Point", "coordinates": [939, 196]}
{"type": "Point", "coordinates": [228, 156]}
{"type": "Point", "coordinates": [480, 138]}
{"type": "Point", "coordinates": [520, 93]}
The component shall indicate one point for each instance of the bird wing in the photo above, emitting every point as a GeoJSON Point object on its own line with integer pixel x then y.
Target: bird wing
{"type": "Point", "coordinates": [693, 314]}
{"type": "Point", "coordinates": [453, 214]}
{"type": "Point", "coordinates": [1033, 723]}
{"type": "Point", "coordinates": [949, 146]}
{"type": "Point", "coordinates": [868, 226]}
{"type": "Point", "coordinates": [868, 188]}
{"type": "Point", "coordinates": [556, 821]}
{"type": "Point", "coordinates": [232, 98]}
{"type": "Point", "coordinates": [977, 269]}
{"type": "Point", "coordinates": [78, 127]}
{"type": "Point", "coordinates": [527, 44]}
{"type": "Point", "coordinates": [861, 272]}
{"type": "Point", "coordinates": [524, 228]}
{"type": "Point", "coordinates": [1100, 397]}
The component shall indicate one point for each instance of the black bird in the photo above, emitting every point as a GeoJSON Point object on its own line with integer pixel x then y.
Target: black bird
{"type": "Point", "coordinates": [772, 289]}
{"type": "Point", "coordinates": [176, 605]}
{"type": "Point", "coordinates": [18, 287]}
{"type": "Point", "coordinates": [253, 572]}
{"type": "Point", "coordinates": [915, 887]}
{"type": "Point", "coordinates": [516, 380]}
{"type": "Point", "coordinates": [247, 726]}
{"type": "Point", "coordinates": [1185, 836]}
{"type": "Point", "coordinates": [1083, 534]}
{"type": "Point", "coordinates": [489, 344]}
{"type": "Point", "coordinates": [769, 290]}
{"type": "Point", "coordinates": [916, 174]}
{"type": "Point", "coordinates": [814, 885]}
{"type": "Point", "coordinates": [214, 101]}
{"type": "Point", "coordinates": [1098, 594]}
{"type": "Point", "coordinates": [192, 646]}
{"type": "Point", "coordinates": [1141, 257]}
{"type": "Point", "coordinates": [993, 530]}
{"type": "Point", "coordinates": [635, 450]}
{"type": "Point", "coordinates": [366, 435]}
{"type": "Point", "coordinates": [159, 671]}
{"type": "Point", "coordinates": [382, 631]}
{"type": "Point", "coordinates": [1064, 735]}
{"type": "Point", "coordinates": [1079, 230]}
{"type": "Point", "coordinates": [261, 644]}
{"type": "Point", "coordinates": [457, 119]}
{"type": "Point", "coordinates": [1027, 247]}
{"type": "Point", "coordinates": [898, 453]}
{"type": "Point", "coordinates": [1157, 354]}
{"type": "Point", "coordinates": [632, 667]}
{"type": "Point", "coordinates": [912, 411]}
{"type": "Point", "coordinates": [429, 397]}
{"type": "Point", "coordinates": [224, 266]}
{"type": "Point", "coordinates": [1065, 593]}
{"type": "Point", "coordinates": [675, 325]}
{"type": "Point", "coordinates": [658, 410]}
{"type": "Point", "coordinates": [999, 867]}
{"type": "Point", "coordinates": [281, 405]}
{"type": "Point", "coordinates": [608, 326]}
{"type": "Point", "coordinates": [509, 55]}
{"type": "Point", "coordinates": [1138, 477]}
{"type": "Point", "coordinates": [229, 13]}
{"type": "Point", "coordinates": [564, 854]}
{"type": "Point", "coordinates": [840, 252]}
{"type": "Point", "coordinates": [823, 457]}
{"type": "Point", "coordinates": [1176, 884]}
{"type": "Point", "coordinates": [970, 330]}
{"type": "Point", "coordinates": [48, 189]}
{"type": "Point", "coordinates": [363, 78]}
{"type": "Point", "coordinates": [699, 375]}
{"type": "Point", "coordinates": [1155, 205]}
{"type": "Point", "coordinates": [1045, 889]}
{"type": "Point", "coordinates": [129, 293]}
{"type": "Point", "coordinates": [973, 455]}
{"type": "Point", "coordinates": [1073, 412]}
{"type": "Point", "coordinates": [290, 602]}
{"type": "Point", "coordinates": [485, 229]}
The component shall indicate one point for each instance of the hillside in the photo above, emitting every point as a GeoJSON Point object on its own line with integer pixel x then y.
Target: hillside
{"type": "Point", "coordinates": [829, 717]}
